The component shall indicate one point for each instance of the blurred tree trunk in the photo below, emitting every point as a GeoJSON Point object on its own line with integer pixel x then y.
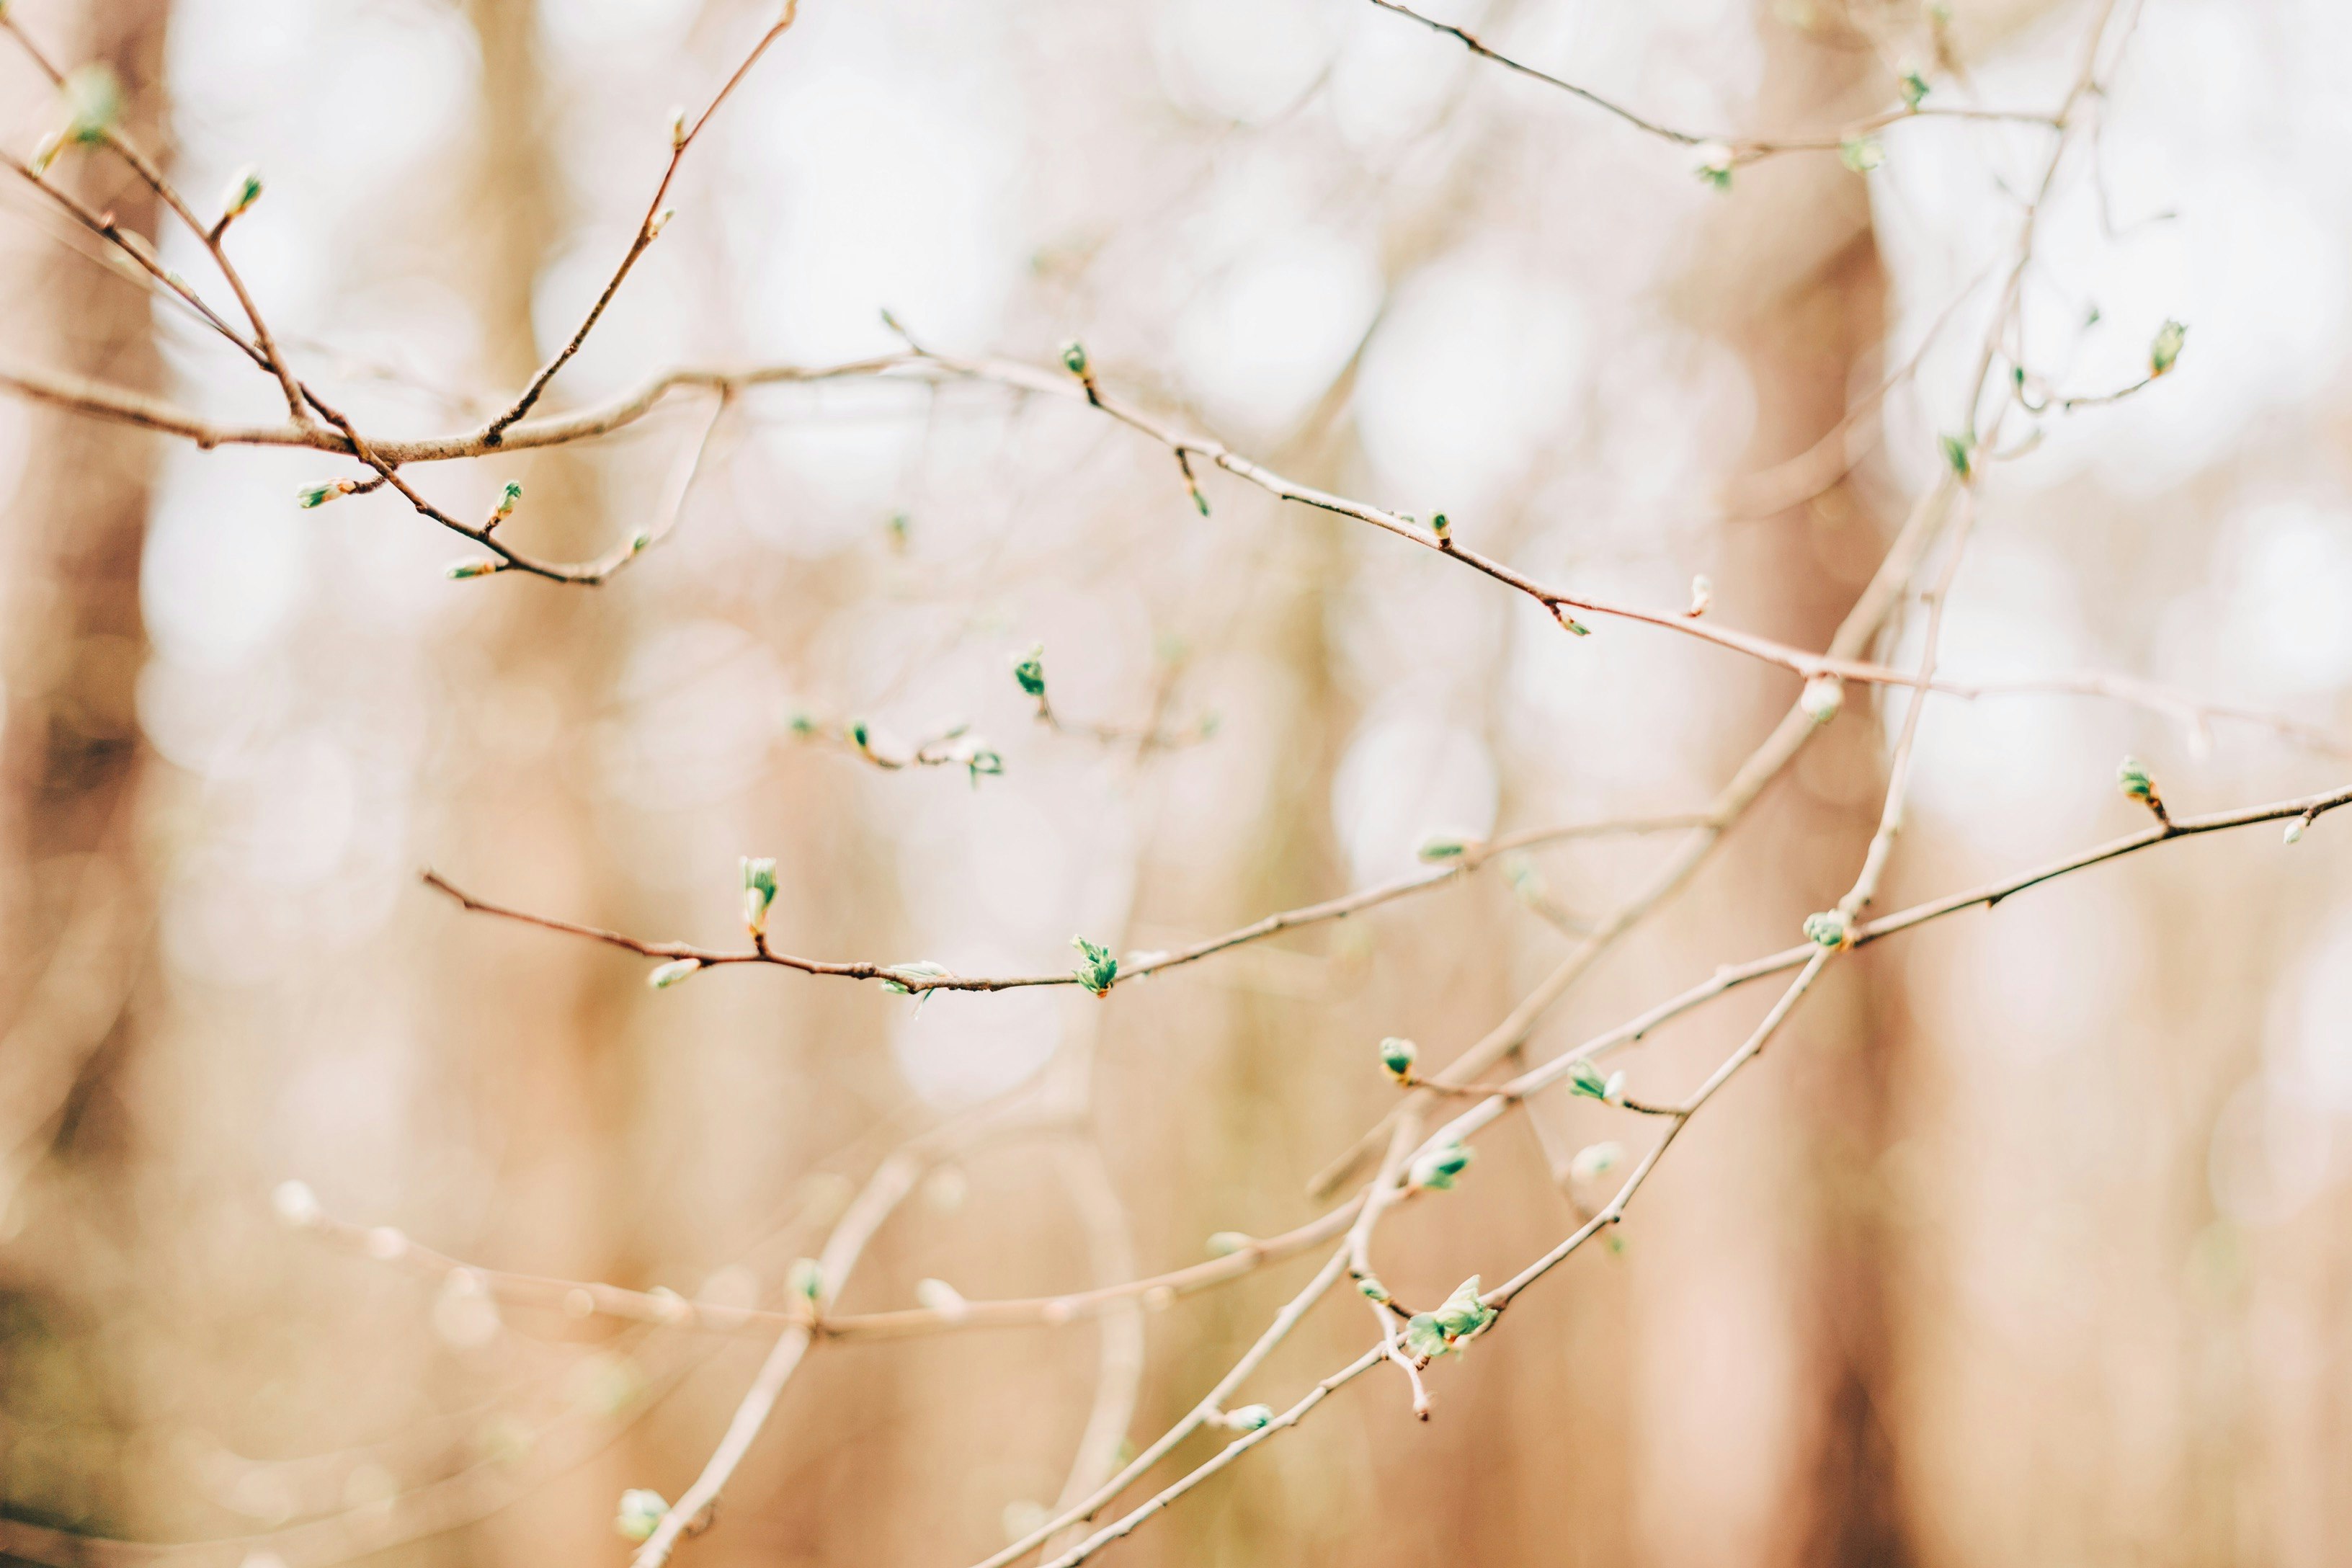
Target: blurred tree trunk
{"type": "Point", "coordinates": [1779, 1405]}
{"type": "Point", "coordinates": [531, 1023]}
{"type": "Point", "coordinates": [76, 905]}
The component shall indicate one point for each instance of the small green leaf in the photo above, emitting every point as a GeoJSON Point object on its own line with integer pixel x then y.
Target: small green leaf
{"type": "Point", "coordinates": [1096, 968]}
{"type": "Point", "coordinates": [1029, 671]}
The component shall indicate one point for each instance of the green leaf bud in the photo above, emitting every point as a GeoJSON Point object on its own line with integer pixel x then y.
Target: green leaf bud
{"type": "Point", "coordinates": [1398, 1055]}
{"type": "Point", "coordinates": [1096, 968]}
{"type": "Point", "coordinates": [244, 190]}
{"type": "Point", "coordinates": [1438, 1168]}
{"type": "Point", "coordinates": [1029, 671]}
{"type": "Point", "coordinates": [641, 1513]}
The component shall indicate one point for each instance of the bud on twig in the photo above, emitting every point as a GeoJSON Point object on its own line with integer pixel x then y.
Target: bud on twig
{"type": "Point", "coordinates": [1714, 163]}
{"type": "Point", "coordinates": [2164, 351]}
{"type": "Point", "coordinates": [1830, 928]}
{"type": "Point", "coordinates": [320, 495]}
{"type": "Point", "coordinates": [905, 973]}
{"type": "Point", "coordinates": [1096, 968]}
{"type": "Point", "coordinates": [1913, 88]}
{"type": "Point", "coordinates": [2132, 777]}
{"type": "Point", "coordinates": [244, 190]}
{"type": "Point", "coordinates": [459, 571]}
{"type": "Point", "coordinates": [1074, 358]}
{"type": "Point", "coordinates": [1446, 844]}
{"type": "Point", "coordinates": [1247, 1418]}
{"type": "Point", "coordinates": [806, 1279]}
{"type": "Point", "coordinates": [1439, 1167]}
{"type": "Point", "coordinates": [1463, 1314]}
{"type": "Point", "coordinates": [1585, 1079]}
{"type": "Point", "coordinates": [93, 103]}
{"type": "Point", "coordinates": [1861, 154]}
{"type": "Point", "coordinates": [1029, 671]}
{"type": "Point", "coordinates": [1702, 595]}
{"type": "Point", "coordinates": [670, 973]}
{"type": "Point", "coordinates": [759, 892]}
{"type": "Point", "coordinates": [1398, 1055]}
{"type": "Point", "coordinates": [1822, 697]}
{"type": "Point", "coordinates": [641, 1513]}
{"type": "Point", "coordinates": [508, 499]}
{"type": "Point", "coordinates": [1595, 1161]}
{"type": "Point", "coordinates": [677, 127]}
{"type": "Point", "coordinates": [1226, 1243]}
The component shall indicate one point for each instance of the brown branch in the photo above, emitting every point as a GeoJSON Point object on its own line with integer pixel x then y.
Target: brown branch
{"type": "Point", "coordinates": [1744, 150]}
{"type": "Point", "coordinates": [494, 434]}
{"type": "Point", "coordinates": [914, 981]}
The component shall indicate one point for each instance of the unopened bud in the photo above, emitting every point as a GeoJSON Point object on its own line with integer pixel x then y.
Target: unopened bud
{"type": "Point", "coordinates": [806, 1279]}
{"type": "Point", "coordinates": [320, 495]}
{"type": "Point", "coordinates": [2132, 778]}
{"type": "Point", "coordinates": [1861, 154]}
{"type": "Point", "coordinates": [1226, 1243]}
{"type": "Point", "coordinates": [508, 498]}
{"type": "Point", "coordinates": [1822, 697]}
{"type": "Point", "coordinates": [2294, 831]}
{"type": "Point", "coordinates": [677, 131]}
{"type": "Point", "coordinates": [1439, 1167]}
{"type": "Point", "coordinates": [1829, 929]}
{"type": "Point", "coordinates": [1713, 163]}
{"type": "Point", "coordinates": [1585, 1079]}
{"type": "Point", "coordinates": [1702, 595]}
{"type": "Point", "coordinates": [641, 1513]}
{"type": "Point", "coordinates": [1247, 1418]}
{"type": "Point", "coordinates": [1029, 671]}
{"type": "Point", "coordinates": [1446, 844]}
{"type": "Point", "coordinates": [243, 192]}
{"type": "Point", "coordinates": [93, 101]}
{"type": "Point", "coordinates": [1398, 1055]}
{"type": "Point", "coordinates": [461, 570]}
{"type": "Point", "coordinates": [1074, 358]}
{"type": "Point", "coordinates": [670, 973]}
{"type": "Point", "coordinates": [2165, 349]}
{"type": "Point", "coordinates": [1595, 1161]}
{"type": "Point", "coordinates": [758, 893]}
{"type": "Point", "coordinates": [659, 221]}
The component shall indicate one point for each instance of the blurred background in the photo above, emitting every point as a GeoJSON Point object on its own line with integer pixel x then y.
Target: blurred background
{"type": "Point", "coordinates": [2026, 1242]}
